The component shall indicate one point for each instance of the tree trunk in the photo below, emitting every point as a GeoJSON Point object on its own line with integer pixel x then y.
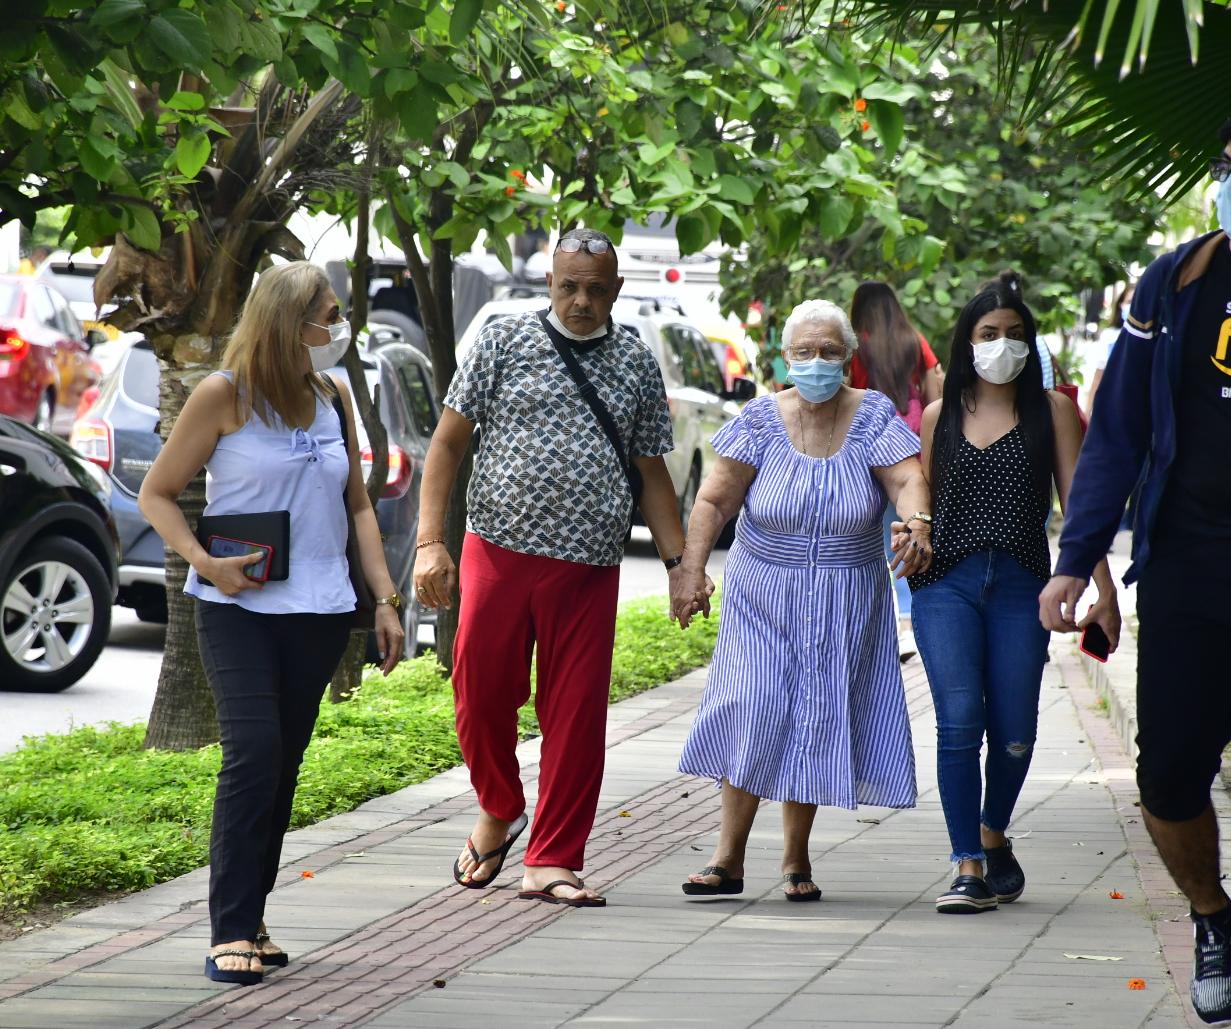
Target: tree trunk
{"type": "Point", "coordinates": [349, 673]}
{"type": "Point", "coordinates": [183, 715]}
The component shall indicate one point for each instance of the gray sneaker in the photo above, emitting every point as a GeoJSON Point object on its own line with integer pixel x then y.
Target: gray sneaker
{"type": "Point", "coordinates": [1211, 986]}
{"type": "Point", "coordinates": [967, 895]}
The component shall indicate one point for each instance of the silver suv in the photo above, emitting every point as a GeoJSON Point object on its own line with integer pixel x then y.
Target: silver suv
{"type": "Point", "coordinates": [696, 394]}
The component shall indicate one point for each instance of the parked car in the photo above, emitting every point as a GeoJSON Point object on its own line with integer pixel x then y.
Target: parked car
{"type": "Point", "coordinates": [44, 355]}
{"type": "Point", "coordinates": [120, 434]}
{"type": "Point", "coordinates": [697, 392]}
{"type": "Point", "coordinates": [58, 555]}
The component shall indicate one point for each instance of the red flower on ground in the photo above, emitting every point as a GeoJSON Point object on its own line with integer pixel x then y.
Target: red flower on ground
{"type": "Point", "coordinates": [1136, 984]}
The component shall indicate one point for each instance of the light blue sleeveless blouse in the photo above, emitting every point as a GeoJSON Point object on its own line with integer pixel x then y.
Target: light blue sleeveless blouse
{"type": "Point", "coordinates": [263, 467]}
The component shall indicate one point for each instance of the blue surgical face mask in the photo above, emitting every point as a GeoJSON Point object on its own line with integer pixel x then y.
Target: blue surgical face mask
{"type": "Point", "coordinates": [1223, 206]}
{"type": "Point", "coordinates": [817, 380]}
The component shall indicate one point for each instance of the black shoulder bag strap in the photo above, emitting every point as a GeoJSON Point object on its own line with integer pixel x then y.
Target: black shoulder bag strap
{"type": "Point", "coordinates": [365, 603]}
{"type": "Point", "coordinates": [590, 395]}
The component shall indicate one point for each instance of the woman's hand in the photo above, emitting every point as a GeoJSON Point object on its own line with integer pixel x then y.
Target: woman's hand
{"type": "Point", "coordinates": [912, 548]}
{"type": "Point", "coordinates": [690, 594]}
{"type": "Point", "coordinates": [435, 576]}
{"type": "Point", "coordinates": [1106, 613]}
{"type": "Point", "coordinates": [390, 639]}
{"type": "Point", "coordinates": [227, 573]}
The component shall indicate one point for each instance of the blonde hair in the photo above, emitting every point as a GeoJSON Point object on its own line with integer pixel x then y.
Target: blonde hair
{"type": "Point", "coordinates": [265, 352]}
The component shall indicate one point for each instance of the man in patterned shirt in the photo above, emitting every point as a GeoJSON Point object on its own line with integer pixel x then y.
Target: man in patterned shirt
{"type": "Point", "coordinates": [549, 508]}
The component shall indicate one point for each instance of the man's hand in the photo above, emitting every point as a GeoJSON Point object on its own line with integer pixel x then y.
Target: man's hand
{"type": "Point", "coordinates": [1106, 613]}
{"type": "Point", "coordinates": [1058, 604]}
{"type": "Point", "coordinates": [435, 576]}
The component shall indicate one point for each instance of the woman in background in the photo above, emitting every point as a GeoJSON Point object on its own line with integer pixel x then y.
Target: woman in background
{"type": "Point", "coordinates": [894, 359]}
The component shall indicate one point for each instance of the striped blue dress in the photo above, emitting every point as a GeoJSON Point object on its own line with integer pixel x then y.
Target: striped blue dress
{"type": "Point", "coordinates": [804, 699]}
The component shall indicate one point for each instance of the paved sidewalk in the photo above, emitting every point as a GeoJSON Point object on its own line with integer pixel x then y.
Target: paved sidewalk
{"type": "Point", "coordinates": [381, 937]}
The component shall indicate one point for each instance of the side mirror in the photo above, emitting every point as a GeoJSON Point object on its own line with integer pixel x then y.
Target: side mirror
{"type": "Point", "coordinates": [741, 390]}
{"type": "Point", "coordinates": [94, 337]}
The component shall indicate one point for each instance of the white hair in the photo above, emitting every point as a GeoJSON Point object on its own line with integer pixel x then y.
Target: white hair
{"type": "Point", "coordinates": [820, 311]}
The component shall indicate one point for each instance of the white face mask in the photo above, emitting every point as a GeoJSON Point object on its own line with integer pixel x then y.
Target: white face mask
{"type": "Point", "coordinates": [1000, 360]}
{"type": "Point", "coordinates": [325, 357]}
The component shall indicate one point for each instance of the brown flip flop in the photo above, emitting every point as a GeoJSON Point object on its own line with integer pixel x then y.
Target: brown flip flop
{"type": "Point", "coordinates": [548, 897]}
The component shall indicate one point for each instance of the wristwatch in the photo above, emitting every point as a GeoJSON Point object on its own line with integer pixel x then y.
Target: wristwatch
{"type": "Point", "coordinates": [673, 562]}
{"type": "Point", "coordinates": [920, 516]}
{"type": "Point", "coordinates": [393, 600]}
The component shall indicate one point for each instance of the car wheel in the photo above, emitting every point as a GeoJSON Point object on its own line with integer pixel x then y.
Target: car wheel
{"type": "Point", "coordinates": [43, 413]}
{"type": "Point", "coordinates": [689, 499]}
{"type": "Point", "coordinates": [55, 614]}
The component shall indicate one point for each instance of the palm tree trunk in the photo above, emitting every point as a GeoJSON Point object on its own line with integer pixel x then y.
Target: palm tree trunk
{"type": "Point", "coordinates": [183, 716]}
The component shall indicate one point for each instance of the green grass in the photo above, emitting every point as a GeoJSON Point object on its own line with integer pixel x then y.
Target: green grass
{"type": "Point", "coordinates": [91, 810]}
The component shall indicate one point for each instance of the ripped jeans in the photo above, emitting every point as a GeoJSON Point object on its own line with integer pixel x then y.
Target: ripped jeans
{"type": "Point", "coordinates": [983, 647]}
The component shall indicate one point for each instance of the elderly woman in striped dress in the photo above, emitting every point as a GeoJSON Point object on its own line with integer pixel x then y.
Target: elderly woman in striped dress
{"type": "Point", "coordinates": [804, 702]}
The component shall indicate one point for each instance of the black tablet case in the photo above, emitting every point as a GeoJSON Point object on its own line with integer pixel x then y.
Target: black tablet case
{"type": "Point", "coordinates": [268, 528]}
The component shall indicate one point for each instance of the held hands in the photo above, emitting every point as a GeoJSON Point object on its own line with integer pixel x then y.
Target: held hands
{"type": "Point", "coordinates": [911, 543]}
{"type": "Point", "coordinates": [435, 576]}
{"type": "Point", "coordinates": [1058, 608]}
{"type": "Point", "coordinates": [227, 573]}
{"type": "Point", "coordinates": [390, 639]}
{"type": "Point", "coordinates": [690, 594]}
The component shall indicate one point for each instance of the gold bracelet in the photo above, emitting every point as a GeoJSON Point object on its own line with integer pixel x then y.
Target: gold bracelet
{"type": "Point", "coordinates": [427, 543]}
{"type": "Point", "coordinates": [393, 600]}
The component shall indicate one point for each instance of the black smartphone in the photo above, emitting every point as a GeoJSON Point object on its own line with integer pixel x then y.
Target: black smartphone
{"type": "Point", "coordinates": [1094, 642]}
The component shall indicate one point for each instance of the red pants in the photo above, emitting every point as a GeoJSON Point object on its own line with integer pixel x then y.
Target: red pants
{"type": "Point", "coordinates": [510, 602]}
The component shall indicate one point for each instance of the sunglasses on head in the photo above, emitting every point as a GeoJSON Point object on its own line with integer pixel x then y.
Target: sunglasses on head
{"type": "Point", "coordinates": [571, 245]}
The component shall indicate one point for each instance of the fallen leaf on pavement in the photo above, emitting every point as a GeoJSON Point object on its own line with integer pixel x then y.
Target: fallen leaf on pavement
{"type": "Point", "coordinates": [1116, 895]}
{"type": "Point", "coordinates": [438, 983]}
{"type": "Point", "coordinates": [869, 821]}
{"type": "Point", "coordinates": [1091, 957]}
{"type": "Point", "coordinates": [1136, 984]}
{"type": "Point", "coordinates": [626, 814]}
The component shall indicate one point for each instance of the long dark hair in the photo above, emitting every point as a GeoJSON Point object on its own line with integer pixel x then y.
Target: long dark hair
{"type": "Point", "coordinates": [1031, 401]}
{"type": "Point", "coordinates": [888, 343]}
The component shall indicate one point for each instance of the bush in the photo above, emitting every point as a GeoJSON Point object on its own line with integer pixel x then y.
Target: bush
{"type": "Point", "coordinates": [91, 810]}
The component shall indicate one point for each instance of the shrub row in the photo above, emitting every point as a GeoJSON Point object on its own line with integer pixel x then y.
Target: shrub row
{"type": "Point", "coordinates": [91, 810]}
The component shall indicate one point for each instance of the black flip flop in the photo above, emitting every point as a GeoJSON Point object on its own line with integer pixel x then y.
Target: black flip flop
{"type": "Point", "coordinates": [547, 897]}
{"type": "Point", "coordinates": [798, 879]}
{"type": "Point", "coordinates": [725, 887]}
{"type": "Point", "coordinates": [232, 975]}
{"type": "Point", "coordinates": [516, 828]}
{"type": "Point", "coordinates": [280, 959]}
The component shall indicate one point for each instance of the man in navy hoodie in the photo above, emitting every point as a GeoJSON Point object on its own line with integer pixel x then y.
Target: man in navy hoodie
{"type": "Point", "coordinates": [1164, 418]}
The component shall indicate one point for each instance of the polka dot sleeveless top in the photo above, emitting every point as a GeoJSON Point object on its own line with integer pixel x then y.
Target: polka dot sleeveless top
{"type": "Point", "coordinates": [989, 502]}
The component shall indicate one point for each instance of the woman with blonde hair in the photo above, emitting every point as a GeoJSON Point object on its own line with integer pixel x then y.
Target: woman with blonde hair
{"type": "Point", "coordinates": [273, 614]}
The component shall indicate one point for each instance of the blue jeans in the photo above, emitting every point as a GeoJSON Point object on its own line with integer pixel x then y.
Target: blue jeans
{"type": "Point", "coordinates": [899, 585]}
{"type": "Point", "coordinates": [983, 647]}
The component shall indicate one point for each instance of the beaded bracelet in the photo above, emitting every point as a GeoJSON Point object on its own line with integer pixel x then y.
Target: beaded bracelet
{"type": "Point", "coordinates": [427, 543]}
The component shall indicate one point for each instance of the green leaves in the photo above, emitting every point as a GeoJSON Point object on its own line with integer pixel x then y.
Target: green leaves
{"type": "Point", "coordinates": [182, 36]}
{"type": "Point", "coordinates": [191, 152]}
{"type": "Point", "coordinates": [463, 19]}
{"type": "Point", "coordinates": [888, 122]}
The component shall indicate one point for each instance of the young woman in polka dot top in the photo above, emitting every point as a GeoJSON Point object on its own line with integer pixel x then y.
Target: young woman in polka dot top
{"type": "Point", "coordinates": [993, 446]}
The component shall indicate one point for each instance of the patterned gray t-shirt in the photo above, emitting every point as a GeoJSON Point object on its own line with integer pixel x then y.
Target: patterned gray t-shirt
{"type": "Point", "coordinates": [547, 481]}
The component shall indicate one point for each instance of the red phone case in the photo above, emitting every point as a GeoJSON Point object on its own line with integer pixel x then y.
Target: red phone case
{"type": "Point", "coordinates": [1082, 647]}
{"type": "Point", "coordinates": [269, 554]}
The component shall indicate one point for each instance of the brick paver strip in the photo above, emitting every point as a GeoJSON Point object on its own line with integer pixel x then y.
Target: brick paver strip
{"type": "Point", "coordinates": [1168, 908]}
{"type": "Point", "coordinates": [381, 966]}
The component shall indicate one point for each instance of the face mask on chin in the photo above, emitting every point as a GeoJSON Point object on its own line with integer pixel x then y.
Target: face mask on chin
{"type": "Point", "coordinates": [1000, 360]}
{"type": "Point", "coordinates": [325, 357]}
